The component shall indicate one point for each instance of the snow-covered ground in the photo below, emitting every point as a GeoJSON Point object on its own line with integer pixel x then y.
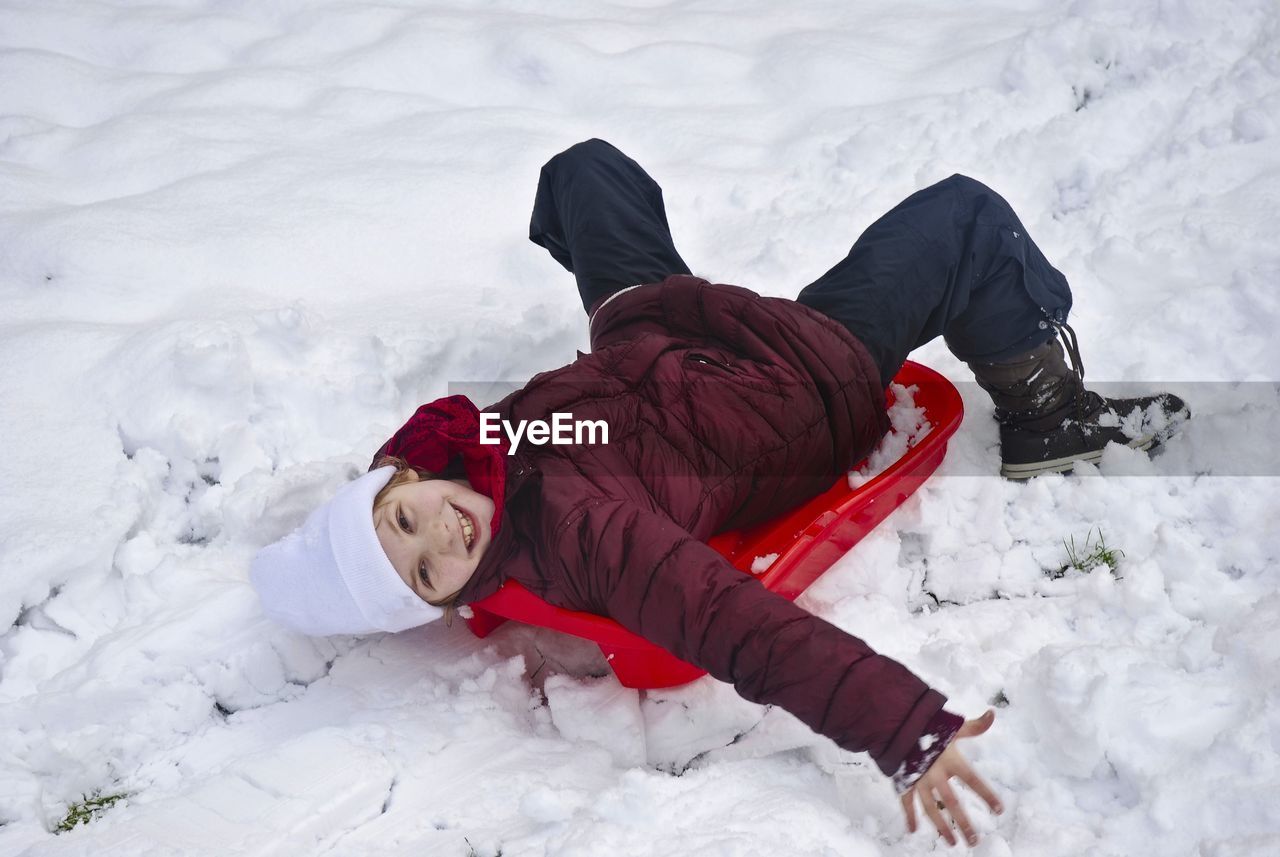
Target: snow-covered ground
{"type": "Point", "coordinates": [241, 241]}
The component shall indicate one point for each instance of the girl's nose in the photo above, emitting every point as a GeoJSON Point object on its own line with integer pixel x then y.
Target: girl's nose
{"type": "Point", "coordinates": [441, 537]}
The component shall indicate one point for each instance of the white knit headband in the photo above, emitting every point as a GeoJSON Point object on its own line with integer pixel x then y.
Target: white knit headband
{"type": "Point", "coordinates": [331, 576]}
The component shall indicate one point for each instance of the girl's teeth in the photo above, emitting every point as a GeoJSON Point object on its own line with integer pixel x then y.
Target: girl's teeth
{"type": "Point", "coordinates": [468, 532]}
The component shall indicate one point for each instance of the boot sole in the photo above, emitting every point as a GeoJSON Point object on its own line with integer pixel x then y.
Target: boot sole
{"type": "Point", "coordinates": [1020, 472]}
{"type": "Point", "coordinates": [1058, 465]}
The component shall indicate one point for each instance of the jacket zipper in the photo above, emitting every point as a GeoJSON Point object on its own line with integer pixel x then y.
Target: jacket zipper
{"type": "Point", "coordinates": [711, 361]}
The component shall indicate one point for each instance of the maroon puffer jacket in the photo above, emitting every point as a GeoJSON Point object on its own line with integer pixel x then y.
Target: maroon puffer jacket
{"type": "Point", "coordinates": [724, 409]}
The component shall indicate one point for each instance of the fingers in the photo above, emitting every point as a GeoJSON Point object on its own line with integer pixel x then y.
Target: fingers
{"type": "Point", "coordinates": [935, 815]}
{"type": "Point", "coordinates": [952, 764]}
{"type": "Point", "coordinates": [942, 805]}
{"type": "Point", "coordinates": [978, 725]}
{"type": "Point", "coordinates": [948, 798]}
{"type": "Point", "coordinates": [980, 788]}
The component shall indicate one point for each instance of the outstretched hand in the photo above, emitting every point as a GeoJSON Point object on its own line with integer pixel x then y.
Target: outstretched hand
{"type": "Point", "coordinates": [934, 787]}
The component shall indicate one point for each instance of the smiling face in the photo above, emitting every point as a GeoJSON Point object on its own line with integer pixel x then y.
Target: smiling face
{"type": "Point", "coordinates": [435, 532]}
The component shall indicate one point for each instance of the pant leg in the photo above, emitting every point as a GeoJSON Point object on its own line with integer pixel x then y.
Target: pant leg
{"type": "Point", "coordinates": [601, 216]}
{"type": "Point", "coordinates": [953, 260]}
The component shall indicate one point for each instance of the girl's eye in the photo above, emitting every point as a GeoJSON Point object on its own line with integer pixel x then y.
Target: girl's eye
{"type": "Point", "coordinates": [404, 522]}
{"type": "Point", "coordinates": [422, 572]}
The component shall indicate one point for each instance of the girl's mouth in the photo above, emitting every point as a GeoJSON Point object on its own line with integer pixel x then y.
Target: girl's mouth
{"type": "Point", "coordinates": [469, 529]}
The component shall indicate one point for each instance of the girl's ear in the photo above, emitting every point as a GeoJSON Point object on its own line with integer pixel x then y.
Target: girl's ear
{"type": "Point", "coordinates": [449, 613]}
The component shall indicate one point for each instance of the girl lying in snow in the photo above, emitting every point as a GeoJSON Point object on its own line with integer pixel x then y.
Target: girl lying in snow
{"type": "Point", "coordinates": [723, 409]}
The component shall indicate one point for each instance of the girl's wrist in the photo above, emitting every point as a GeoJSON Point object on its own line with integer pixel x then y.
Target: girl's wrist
{"type": "Point", "coordinates": [938, 733]}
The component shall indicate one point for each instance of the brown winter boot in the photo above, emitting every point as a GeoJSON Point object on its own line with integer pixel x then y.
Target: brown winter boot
{"type": "Point", "coordinates": [1049, 421]}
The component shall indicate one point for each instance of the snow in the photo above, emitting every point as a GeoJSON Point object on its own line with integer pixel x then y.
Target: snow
{"type": "Point", "coordinates": [241, 242]}
{"type": "Point", "coordinates": [908, 425]}
{"type": "Point", "coordinates": [761, 564]}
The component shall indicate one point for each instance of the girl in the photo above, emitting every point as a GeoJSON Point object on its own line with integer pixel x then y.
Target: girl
{"type": "Point", "coordinates": [723, 409]}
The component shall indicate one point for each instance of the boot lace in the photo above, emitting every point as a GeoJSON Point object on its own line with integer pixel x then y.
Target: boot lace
{"type": "Point", "coordinates": [1084, 400]}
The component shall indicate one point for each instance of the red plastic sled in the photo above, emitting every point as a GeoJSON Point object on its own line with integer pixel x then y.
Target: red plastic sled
{"type": "Point", "coordinates": [808, 540]}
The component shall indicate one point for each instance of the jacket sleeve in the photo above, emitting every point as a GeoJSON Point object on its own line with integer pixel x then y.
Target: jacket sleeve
{"type": "Point", "coordinates": [657, 580]}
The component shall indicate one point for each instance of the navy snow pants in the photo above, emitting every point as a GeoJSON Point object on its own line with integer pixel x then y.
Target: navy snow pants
{"type": "Point", "coordinates": [950, 260]}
